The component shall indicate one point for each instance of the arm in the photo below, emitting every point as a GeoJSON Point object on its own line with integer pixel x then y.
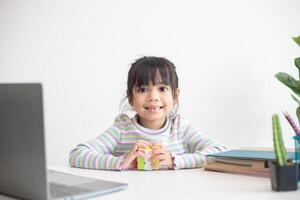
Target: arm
{"type": "Point", "coordinates": [98, 152]}
{"type": "Point", "coordinates": [198, 146]}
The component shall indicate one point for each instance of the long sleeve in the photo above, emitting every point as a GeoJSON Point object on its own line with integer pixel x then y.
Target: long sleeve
{"type": "Point", "coordinates": [197, 146]}
{"type": "Point", "coordinates": [98, 152]}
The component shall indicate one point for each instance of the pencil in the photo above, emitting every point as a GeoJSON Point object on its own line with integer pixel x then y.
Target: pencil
{"type": "Point", "coordinates": [291, 122]}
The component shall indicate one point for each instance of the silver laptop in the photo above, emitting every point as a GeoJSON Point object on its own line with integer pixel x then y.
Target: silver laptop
{"type": "Point", "coordinates": [23, 171]}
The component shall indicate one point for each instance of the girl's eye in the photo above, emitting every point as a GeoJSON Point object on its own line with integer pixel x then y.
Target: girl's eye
{"type": "Point", "coordinates": [142, 90]}
{"type": "Point", "coordinates": [163, 89]}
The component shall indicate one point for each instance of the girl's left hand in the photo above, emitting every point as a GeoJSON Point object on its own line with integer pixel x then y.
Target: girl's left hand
{"type": "Point", "coordinates": [163, 155]}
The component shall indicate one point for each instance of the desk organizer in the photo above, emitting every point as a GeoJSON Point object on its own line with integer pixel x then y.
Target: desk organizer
{"type": "Point", "coordinates": [297, 152]}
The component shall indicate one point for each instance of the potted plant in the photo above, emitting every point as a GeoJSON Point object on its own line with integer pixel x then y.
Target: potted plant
{"type": "Point", "coordinates": [294, 85]}
{"type": "Point", "coordinates": [284, 175]}
{"type": "Point", "coordinates": [291, 82]}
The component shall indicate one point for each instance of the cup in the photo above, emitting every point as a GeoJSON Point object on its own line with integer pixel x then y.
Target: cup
{"type": "Point", "coordinates": [297, 151]}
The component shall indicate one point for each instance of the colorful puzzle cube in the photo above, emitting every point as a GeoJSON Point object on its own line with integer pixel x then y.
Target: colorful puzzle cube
{"type": "Point", "coordinates": [145, 163]}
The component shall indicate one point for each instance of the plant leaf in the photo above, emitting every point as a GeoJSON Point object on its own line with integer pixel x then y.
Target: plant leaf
{"type": "Point", "coordinates": [296, 99]}
{"type": "Point", "coordinates": [289, 81]}
{"type": "Point", "coordinates": [297, 63]}
{"type": "Point", "coordinates": [297, 40]}
{"type": "Point", "coordinates": [298, 114]}
{"type": "Point", "coordinates": [298, 95]}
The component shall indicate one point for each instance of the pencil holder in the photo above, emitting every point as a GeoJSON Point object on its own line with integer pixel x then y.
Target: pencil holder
{"type": "Point", "coordinates": [284, 178]}
{"type": "Point", "coordinates": [297, 152]}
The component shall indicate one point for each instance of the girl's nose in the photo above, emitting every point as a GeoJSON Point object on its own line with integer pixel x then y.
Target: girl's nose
{"type": "Point", "coordinates": [150, 99]}
{"type": "Point", "coordinates": [153, 96]}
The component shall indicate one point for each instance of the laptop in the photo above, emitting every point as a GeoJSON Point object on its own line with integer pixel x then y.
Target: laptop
{"type": "Point", "coordinates": [23, 172]}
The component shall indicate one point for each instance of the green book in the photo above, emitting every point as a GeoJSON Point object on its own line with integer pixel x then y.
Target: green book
{"type": "Point", "coordinates": [250, 155]}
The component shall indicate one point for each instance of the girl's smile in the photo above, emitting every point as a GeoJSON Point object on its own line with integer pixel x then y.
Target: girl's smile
{"type": "Point", "coordinates": [154, 108]}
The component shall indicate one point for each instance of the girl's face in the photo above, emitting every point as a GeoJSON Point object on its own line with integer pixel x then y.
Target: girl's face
{"type": "Point", "coordinates": [153, 103]}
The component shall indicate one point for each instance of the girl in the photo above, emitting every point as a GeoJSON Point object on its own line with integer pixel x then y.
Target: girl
{"type": "Point", "coordinates": [152, 92]}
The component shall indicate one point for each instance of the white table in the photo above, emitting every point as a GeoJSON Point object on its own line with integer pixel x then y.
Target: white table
{"type": "Point", "coordinates": [184, 184]}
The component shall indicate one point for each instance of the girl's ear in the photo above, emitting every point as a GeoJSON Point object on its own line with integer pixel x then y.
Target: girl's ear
{"type": "Point", "coordinates": [176, 96]}
{"type": "Point", "coordinates": [130, 100]}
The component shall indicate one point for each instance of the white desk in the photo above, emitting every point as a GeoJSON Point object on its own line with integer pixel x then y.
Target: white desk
{"type": "Point", "coordinates": [184, 184]}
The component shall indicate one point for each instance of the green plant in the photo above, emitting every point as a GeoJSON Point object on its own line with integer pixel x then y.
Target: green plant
{"type": "Point", "coordinates": [280, 150]}
{"type": "Point", "coordinates": [291, 82]}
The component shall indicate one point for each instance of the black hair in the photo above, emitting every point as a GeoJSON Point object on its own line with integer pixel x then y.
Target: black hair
{"type": "Point", "coordinates": [150, 69]}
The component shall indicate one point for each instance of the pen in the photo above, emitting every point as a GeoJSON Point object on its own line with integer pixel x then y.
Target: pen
{"type": "Point", "coordinates": [291, 122]}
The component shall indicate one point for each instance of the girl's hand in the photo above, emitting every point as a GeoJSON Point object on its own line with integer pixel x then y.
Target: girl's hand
{"type": "Point", "coordinates": [163, 155]}
{"type": "Point", "coordinates": [130, 158]}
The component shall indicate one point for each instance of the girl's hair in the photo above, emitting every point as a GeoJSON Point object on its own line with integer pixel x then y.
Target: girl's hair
{"type": "Point", "coordinates": [150, 69]}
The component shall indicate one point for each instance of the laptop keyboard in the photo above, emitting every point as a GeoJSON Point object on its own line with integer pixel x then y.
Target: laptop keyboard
{"type": "Point", "coordinates": [59, 190]}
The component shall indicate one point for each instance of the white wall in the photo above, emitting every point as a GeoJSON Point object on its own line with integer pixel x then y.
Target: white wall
{"type": "Point", "coordinates": [226, 53]}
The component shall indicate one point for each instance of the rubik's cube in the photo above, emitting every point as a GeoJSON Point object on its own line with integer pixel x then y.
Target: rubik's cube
{"type": "Point", "coordinates": [145, 163]}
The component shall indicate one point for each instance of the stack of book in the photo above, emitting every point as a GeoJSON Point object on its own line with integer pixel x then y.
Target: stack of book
{"type": "Point", "coordinates": [247, 162]}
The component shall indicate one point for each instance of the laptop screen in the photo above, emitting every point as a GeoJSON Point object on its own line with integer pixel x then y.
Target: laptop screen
{"type": "Point", "coordinates": [22, 153]}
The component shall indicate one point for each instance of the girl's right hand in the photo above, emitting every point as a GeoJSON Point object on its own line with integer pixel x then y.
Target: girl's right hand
{"type": "Point", "coordinates": [129, 161]}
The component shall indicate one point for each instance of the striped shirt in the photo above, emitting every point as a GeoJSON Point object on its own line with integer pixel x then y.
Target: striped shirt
{"type": "Point", "coordinates": [186, 143]}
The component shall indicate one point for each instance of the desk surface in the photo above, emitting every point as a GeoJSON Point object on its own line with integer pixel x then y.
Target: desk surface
{"type": "Point", "coordinates": [184, 184]}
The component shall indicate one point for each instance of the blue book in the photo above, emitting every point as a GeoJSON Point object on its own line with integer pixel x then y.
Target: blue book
{"type": "Point", "coordinates": [250, 155]}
